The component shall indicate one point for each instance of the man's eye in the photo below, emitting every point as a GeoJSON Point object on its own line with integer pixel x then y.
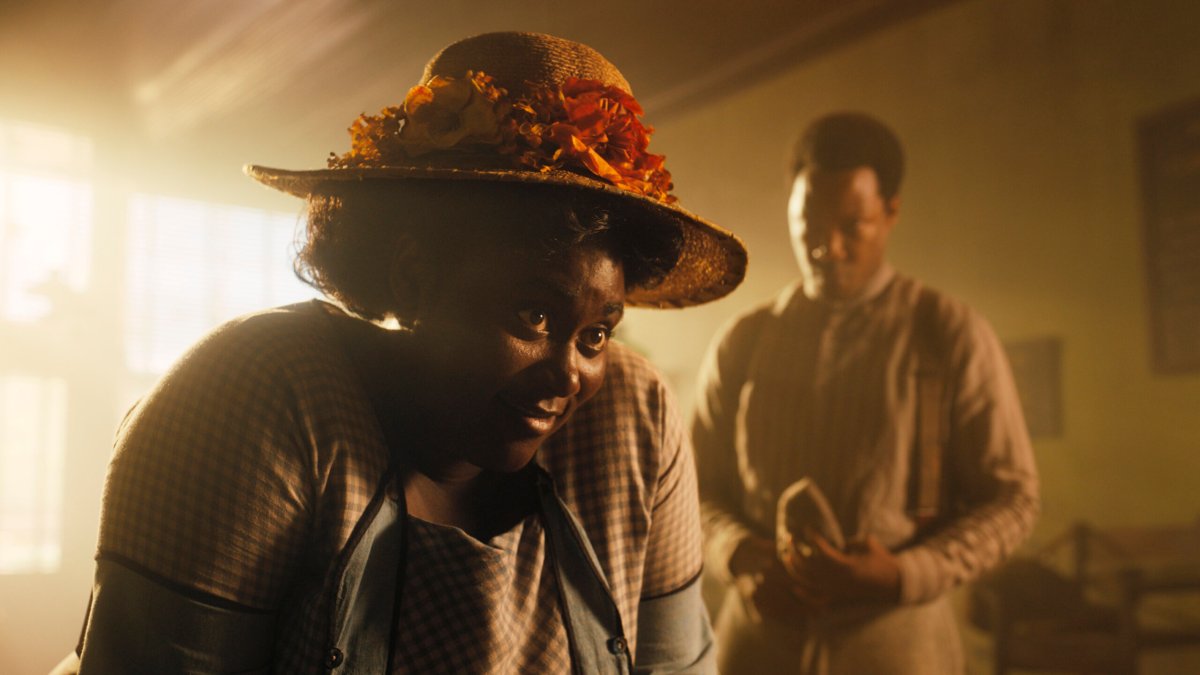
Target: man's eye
{"type": "Point", "coordinates": [595, 339]}
{"type": "Point", "coordinates": [534, 318]}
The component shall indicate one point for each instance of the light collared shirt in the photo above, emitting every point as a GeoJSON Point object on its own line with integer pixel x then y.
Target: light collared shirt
{"type": "Point", "coordinates": [827, 390]}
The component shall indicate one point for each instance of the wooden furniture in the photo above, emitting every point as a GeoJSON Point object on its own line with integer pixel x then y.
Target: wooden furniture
{"type": "Point", "coordinates": [1091, 618]}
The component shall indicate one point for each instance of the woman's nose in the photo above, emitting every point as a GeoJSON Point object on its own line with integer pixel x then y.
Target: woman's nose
{"type": "Point", "coordinates": [562, 367]}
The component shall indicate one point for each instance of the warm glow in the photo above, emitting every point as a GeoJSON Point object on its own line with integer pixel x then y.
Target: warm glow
{"type": "Point", "coordinates": [193, 265]}
{"type": "Point", "coordinates": [78, 288]}
{"type": "Point", "coordinates": [45, 218]}
{"type": "Point", "coordinates": [33, 416]}
{"type": "Point", "coordinates": [46, 224]}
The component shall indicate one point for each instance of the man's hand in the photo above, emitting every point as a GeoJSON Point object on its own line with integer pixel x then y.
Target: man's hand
{"type": "Point", "coordinates": [865, 572]}
{"type": "Point", "coordinates": [765, 586]}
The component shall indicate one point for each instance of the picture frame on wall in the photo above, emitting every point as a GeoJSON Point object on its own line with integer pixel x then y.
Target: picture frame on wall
{"type": "Point", "coordinates": [1037, 370]}
{"type": "Point", "coordinates": [1169, 153]}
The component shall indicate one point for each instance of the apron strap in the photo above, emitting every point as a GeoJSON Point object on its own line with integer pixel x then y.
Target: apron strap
{"type": "Point", "coordinates": [591, 616]}
{"type": "Point", "coordinates": [369, 586]}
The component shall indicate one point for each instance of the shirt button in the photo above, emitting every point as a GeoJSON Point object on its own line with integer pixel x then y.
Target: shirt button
{"type": "Point", "coordinates": [334, 658]}
{"type": "Point", "coordinates": [617, 645]}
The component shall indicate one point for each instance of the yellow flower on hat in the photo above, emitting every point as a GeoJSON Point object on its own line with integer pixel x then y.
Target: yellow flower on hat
{"type": "Point", "coordinates": [450, 112]}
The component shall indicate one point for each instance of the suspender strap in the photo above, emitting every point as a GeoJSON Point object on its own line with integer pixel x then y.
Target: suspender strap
{"type": "Point", "coordinates": [371, 567]}
{"type": "Point", "coordinates": [592, 619]}
{"type": "Point", "coordinates": [369, 586]}
{"type": "Point", "coordinates": [927, 494]}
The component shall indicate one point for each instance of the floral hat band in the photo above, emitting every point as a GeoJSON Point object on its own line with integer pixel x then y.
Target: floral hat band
{"type": "Point", "coordinates": [526, 107]}
{"type": "Point", "coordinates": [584, 125]}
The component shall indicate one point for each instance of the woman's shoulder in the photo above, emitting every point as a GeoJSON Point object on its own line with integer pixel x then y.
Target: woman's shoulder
{"type": "Point", "coordinates": [259, 434]}
{"type": "Point", "coordinates": [253, 377]}
{"type": "Point", "coordinates": [629, 367]}
{"type": "Point", "coordinates": [273, 350]}
{"type": "Point", "coordinates": [246, 373]}
{"type": "Point", "coordinates": [625, 424]}
{"type": "Point", "coordinates": [634, 391]}
{"type": "Point", "coordinates": [271, 335]}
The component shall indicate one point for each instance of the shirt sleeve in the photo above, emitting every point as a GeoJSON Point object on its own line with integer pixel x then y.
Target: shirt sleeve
{"type": "Point", "coordinates": [209, 487]}
{"type": "Point", "coordinates": [674, 635]}
{"type": "Point", "coordinates": [137, 625]}
{"type": "Point", "coordinates": [714, 427]}
{"type": "Point", "coordinates": [673, 548]}
{"type": "Point", "coordinates": [990, 463]}
{"type": "Point", "coordinates": [673, 630]}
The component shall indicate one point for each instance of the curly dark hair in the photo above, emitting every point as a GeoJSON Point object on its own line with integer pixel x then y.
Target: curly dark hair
{"type": "Point", "coordinates": [848, 140]}
{"type": "Point", "coordinates": [352, 228]}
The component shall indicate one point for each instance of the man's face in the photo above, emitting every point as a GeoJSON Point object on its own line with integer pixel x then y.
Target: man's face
{"type": "Point", "coordinates": [839, 225]}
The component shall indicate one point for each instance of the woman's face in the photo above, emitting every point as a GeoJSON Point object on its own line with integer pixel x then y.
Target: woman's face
{"type": "Point", "coordinates": [511, 344]}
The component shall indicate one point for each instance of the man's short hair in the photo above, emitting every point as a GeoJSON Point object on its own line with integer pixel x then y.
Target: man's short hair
{"type": "Point", "coordinates": [848, 140]}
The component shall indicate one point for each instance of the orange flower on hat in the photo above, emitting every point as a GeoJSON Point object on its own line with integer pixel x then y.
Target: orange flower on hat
{"type": "Point", "coordinates": [596, 127]}
{"type": "Point", "coordinates": [372, 137]}
{"type": "Point", "coordinates": [605, 121]}
{"type": "Point", "coordinates": [585, 126]}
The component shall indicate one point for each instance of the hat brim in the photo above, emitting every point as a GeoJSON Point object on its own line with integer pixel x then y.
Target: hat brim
{"type": "Point", "coordinates": [712, 260]}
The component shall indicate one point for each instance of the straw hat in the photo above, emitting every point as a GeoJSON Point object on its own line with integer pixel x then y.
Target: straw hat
{"type": "Point", "coordinates": [532, 108]}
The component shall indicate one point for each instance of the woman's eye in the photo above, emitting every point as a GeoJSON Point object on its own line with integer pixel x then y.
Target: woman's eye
{"type": "Point", "coordinates": [534, 318]}
{"type": "Point", "coordinates": [595, 339]}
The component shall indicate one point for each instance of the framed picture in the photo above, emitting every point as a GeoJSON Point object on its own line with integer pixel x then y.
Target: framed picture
{"type": "Point", "coordinates": [1169, 146]}
{"type": "Point", "coordinates": [1037, 369]}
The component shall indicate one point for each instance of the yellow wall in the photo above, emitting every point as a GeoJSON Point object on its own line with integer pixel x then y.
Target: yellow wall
{"type": "Point", "coordinates": [1022, 198]}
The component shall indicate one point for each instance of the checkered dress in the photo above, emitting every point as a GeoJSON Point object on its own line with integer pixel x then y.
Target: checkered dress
{"type": "Point", "coordinates": [243, 473]}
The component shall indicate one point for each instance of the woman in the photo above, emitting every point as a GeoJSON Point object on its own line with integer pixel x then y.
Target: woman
{"type": "Point", "coordinates": [447, 467]}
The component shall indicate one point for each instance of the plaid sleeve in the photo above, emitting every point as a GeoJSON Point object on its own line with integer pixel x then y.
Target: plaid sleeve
{"type": "Point", "coordinates": [209, 484]}
{"type": "Point", "coordinates": [673, 551]}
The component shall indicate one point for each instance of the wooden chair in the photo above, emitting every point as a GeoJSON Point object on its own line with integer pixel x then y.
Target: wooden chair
{"type": "Point", "coordinates": [1088, 620]}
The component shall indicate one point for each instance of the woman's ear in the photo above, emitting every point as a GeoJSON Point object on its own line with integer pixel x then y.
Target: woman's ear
{"type": "Point", "coordinates": [407, 280]}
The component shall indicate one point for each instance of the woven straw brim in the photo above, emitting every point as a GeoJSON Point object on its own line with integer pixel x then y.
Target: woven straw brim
{"type": "Point", "coordinates": [712, 261]}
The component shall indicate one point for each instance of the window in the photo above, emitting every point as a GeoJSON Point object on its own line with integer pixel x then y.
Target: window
{"type": "Point", "coordinates": [33, 420]}
{"type": "Point", "coordinates": [45, 218]}
{"type": "Point", "coordinates": [193, 265]}
{"type": "Point", "coordinates": [46, 225]}
{"type": "Point", "coordinates": [190, 265]}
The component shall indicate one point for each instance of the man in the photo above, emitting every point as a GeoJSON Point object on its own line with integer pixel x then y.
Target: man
{"type": "Point", "coordinates": [894, 400]}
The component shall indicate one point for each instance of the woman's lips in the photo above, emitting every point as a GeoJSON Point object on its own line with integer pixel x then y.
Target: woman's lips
{"type": "Point", "coordinates": [535, 416]}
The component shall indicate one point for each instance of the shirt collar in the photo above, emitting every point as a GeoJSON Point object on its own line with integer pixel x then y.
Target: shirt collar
{"type": "Point", "coordinates": [879, 281]}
